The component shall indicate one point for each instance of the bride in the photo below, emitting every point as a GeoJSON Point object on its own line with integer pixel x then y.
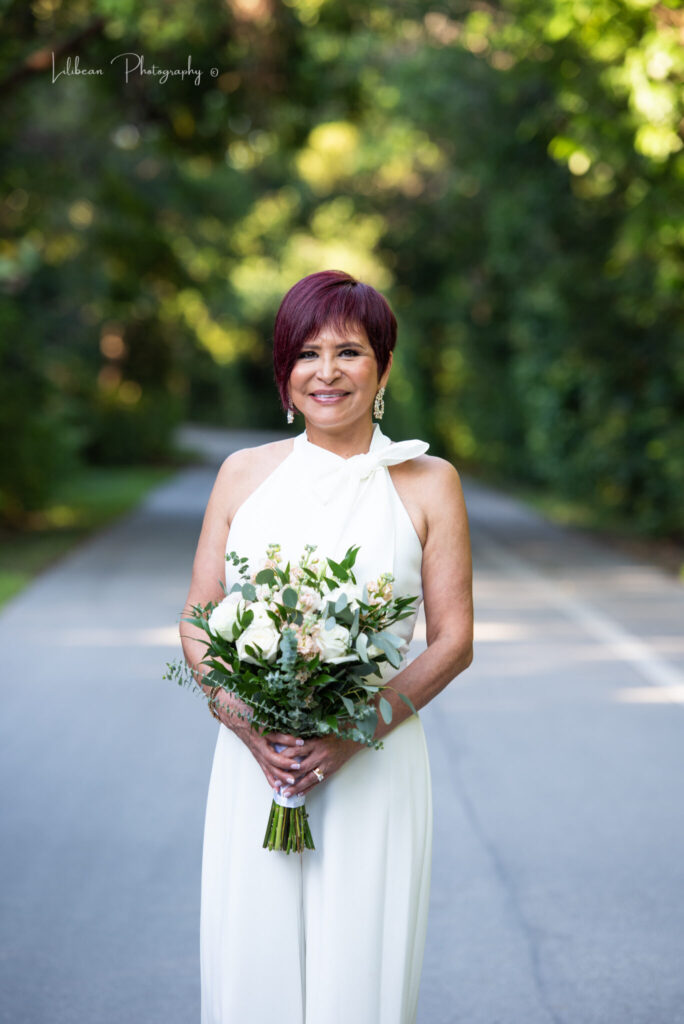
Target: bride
{"type": "Point", "coordinates": [335, 935]}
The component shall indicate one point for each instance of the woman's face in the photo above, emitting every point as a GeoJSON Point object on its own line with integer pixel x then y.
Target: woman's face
{"type": "Point", "coordinates": [335, 378]}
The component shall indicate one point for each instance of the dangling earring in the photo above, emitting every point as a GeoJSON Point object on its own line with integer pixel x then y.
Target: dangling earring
{"type": "Point", "coordinates": [379, 404]}
{"type": "Point", "coordinates": [290, 412]}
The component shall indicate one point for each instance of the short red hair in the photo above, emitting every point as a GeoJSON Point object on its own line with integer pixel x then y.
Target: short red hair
{"type": "Point", "coordinates": [329, 297]}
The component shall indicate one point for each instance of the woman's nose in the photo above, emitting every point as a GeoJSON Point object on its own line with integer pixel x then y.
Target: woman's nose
{"type": "Point", "coordinates": [328, 369]}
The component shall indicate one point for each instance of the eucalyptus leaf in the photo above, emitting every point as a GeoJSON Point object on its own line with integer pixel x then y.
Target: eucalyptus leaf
{"type": "Point", "coordinates": [290, 597]}
{"type": "Point", "coordinates": [249, 591]}
{"type": "Point", "coordinates": [330, 622]}
{"type": "Point", "coordinates": [341, 602]}
{"type": "Point", "coordinates": [265, 576]}
{"type": "Point", "coordinates": [392, 637]}
{"type": "Point", "coordinates": [361, 645]}
{"type": "Point", "coordinates": [349, 705]}
{"type": "Point", "coordinates": [394, 658]}
{"type": "Point", "coordinates": [385, 710]}
{"type": "Point", "coordinates": [407, 700]}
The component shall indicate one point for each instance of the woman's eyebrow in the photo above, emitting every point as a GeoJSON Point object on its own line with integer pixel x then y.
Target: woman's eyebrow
{"type": "Point", "coordinates": [341, 344]}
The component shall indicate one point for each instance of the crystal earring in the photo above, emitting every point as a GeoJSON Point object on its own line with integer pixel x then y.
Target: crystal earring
{"type": "Point", "coordinates": [379, 404]}
{"type": "Point", "coordinates": [290, 412]}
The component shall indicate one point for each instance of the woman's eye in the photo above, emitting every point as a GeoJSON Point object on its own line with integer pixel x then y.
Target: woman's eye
{"type": "Point", "coordinates": [343, 352]}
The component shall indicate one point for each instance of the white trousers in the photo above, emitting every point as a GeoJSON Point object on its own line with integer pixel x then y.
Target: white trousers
{"type": "Point", "coordinates": [330, 936]}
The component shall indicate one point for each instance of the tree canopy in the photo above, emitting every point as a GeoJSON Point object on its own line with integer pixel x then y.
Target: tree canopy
{"type": "Point", "coordinates": [509, 174]}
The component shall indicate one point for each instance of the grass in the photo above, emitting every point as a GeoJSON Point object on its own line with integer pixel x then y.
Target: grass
{"type": "Point", "coordinates": [85, 502]}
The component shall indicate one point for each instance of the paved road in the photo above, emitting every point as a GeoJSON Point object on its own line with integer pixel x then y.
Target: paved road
{"type": "Point", "coordinates": [557, 759]}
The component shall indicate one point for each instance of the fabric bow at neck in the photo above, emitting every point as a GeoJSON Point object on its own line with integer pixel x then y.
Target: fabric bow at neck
{"type": "Point", "coordinates": [360, 467]}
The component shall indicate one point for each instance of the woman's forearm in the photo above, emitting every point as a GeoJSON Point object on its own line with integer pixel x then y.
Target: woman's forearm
{"type": "Point", "coordinates": [423, 679]}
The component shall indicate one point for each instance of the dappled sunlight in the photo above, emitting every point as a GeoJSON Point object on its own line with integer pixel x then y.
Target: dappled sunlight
{"type": "Point", "coordinates": [331, 153]}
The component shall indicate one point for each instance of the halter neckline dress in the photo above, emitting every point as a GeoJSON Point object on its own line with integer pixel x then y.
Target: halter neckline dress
{"type": "Point", "coordinates": [335, 935]}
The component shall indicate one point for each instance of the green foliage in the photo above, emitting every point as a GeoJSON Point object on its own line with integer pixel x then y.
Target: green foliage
{"type": "Point", "coordinates": [292, 691]}
{"type": "Point", "coordinates": [81, 502]}
{"type": "Point", "coordinates": [509, 175]}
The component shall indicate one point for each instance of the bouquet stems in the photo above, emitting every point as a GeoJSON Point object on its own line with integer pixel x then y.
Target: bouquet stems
{"type": "Point", "coordinates": [288, 828]}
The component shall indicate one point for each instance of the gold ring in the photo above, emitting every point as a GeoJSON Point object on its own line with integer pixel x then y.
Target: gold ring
{"type": "Point", "coordinates": [318, 773]}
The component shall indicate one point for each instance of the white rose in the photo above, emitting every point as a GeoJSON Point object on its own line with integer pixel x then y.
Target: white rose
{"type": "Point", "coordinates": [333, 644]}
{"type": "Point", "coordinates": [225, 615]}
{"type": "Point", "coordinates": [264, 636]}
{"type": "Point", "coordinates": [263, 590]}
{"type": "Point", "coordinates": [261, 616]}
{"type": "Point", "coordinates": [352, 592]}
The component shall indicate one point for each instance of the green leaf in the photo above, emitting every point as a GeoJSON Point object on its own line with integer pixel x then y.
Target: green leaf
{"type": "Point", "coordinates": [349, 705]}
{"type": "Point", "coordinates": [362, 646]}
{"type": "Point", "coordinates": [246, 618]}
{"type": "Point", "coordinates": [350, 556]}
{"type": "Point", "coordinates": [394, 658]}
{"type": "Point", "coordinates": [339, 570]}
{"type": "Point", "coordinates": [407, 700]}
{"type": "Point", "coordinates": [249, 592]}
{"type": "Point", "coordinates": [354, 628]}
{"type": "Point", "coordinates": [397, 641]}
{"type": "Point", "coordinates": [368, 725]}
{"type": "Point", "coordinates": [365, 668]}
{"type": "Point", "coordinates": [330, 622]}
{"type": "Point", "coordinates": [341, 603]}
{"type": "Point", "coordinates": [290, 597]}
{"type": "Point", "coordinates": [265, 576]}
{"type": "Point", "coordinates": [385, 710]}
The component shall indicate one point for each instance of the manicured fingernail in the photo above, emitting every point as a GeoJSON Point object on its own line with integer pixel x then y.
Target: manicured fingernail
{"type": "Point", "coordinates": [277, 783]}
{"type": "Point", "coordinates": [290, 778]}
{"type": "Point", "coordinates": [285, 792]}
{"type": "Point", "coordinates": [295, 764]}
{"type": "Point", "coordinates": [300, 743]}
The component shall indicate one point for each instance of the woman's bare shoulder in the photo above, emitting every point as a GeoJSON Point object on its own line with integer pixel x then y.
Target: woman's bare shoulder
{"type": "Point", "coordinates": [429, 475]}
{"type": "Point", "coordinates": [245, 469]}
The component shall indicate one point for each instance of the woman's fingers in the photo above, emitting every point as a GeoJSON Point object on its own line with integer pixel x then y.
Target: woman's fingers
{"type": "Point", "coordinates": [280, 762]}
{"type": "Point", "coordinates": [307, 782]}
{"type": "Point", "coordinates": [284, 738]}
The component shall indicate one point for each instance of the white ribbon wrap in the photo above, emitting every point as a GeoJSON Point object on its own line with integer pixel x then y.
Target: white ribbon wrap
{"type": "Point", "coordinates": [289, 801]}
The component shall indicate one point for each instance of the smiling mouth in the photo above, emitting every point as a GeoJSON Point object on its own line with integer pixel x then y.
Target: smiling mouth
{"type": "Point", "coordinates": [327, 397]}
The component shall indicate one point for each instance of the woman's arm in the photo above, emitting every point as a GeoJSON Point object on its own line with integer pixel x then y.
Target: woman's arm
{"type": "Point", "coordinates": [236, 479]}
{"type": "Point", "coordinates": [447, 596]}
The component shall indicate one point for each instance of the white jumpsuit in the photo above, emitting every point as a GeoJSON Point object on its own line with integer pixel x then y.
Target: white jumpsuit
{"type": "Point", "coordinates": [335, 935]}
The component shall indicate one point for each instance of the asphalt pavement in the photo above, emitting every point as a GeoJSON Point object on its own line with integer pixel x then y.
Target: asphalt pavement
{"type": "Point", "coordinates": [557, 760]}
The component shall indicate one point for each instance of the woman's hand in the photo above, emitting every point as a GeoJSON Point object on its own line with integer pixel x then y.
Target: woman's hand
{"type": "Point", "coordinates": [278, 768]}
{"type": "Point", "coordinates": [327, 753]}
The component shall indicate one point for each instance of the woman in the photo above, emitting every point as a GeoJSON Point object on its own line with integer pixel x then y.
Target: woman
{"type": "Point", "coordinates": [336, 934]}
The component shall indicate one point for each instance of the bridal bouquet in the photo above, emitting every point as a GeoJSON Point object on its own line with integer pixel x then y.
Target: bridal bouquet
{"type": "Point", "coordinates": [302, 646]}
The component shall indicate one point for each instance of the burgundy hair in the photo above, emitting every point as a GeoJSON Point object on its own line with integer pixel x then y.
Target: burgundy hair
{"type": "Point", "coordinates": [329, 297]}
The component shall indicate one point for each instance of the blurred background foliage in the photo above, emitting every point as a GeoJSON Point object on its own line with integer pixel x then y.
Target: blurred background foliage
{"type": "Point", "coordinates": [510, 175]}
